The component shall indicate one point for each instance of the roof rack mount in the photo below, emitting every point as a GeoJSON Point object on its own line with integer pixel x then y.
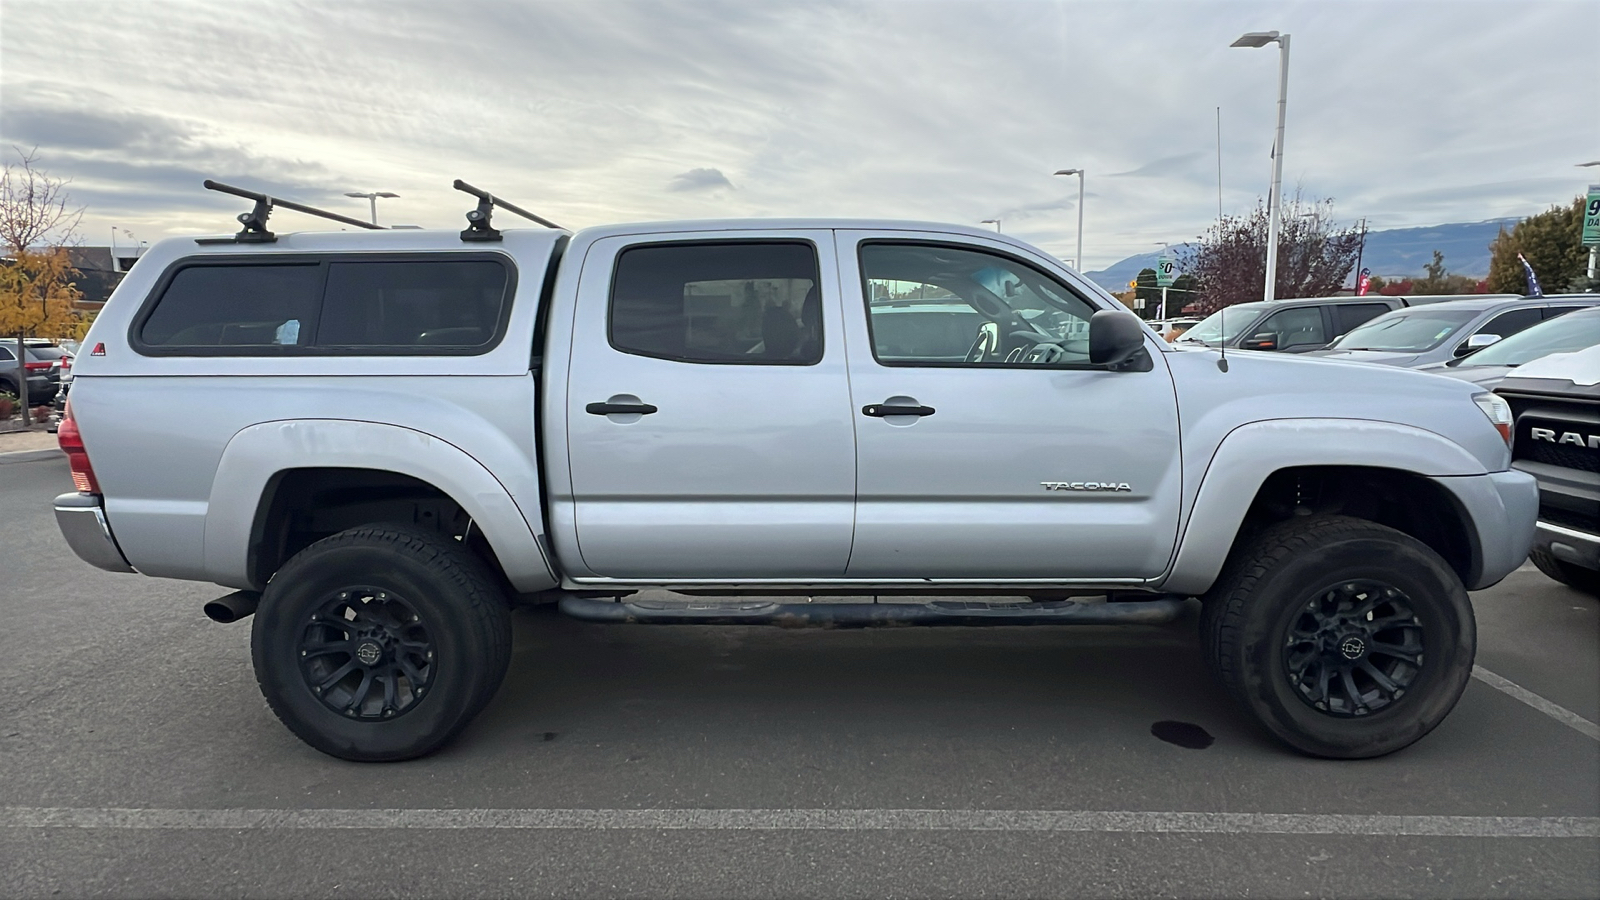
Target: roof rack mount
{"type": "Point", "coordinates": [479, 227]}
{"type": "Point", "coordinates": [255, 221]}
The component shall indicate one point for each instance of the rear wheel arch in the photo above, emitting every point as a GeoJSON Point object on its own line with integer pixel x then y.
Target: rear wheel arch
{"type": "Point", "coordinates": [337, 474]}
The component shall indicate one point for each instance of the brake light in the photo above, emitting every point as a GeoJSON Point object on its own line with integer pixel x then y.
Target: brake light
{"type": "Point", "coordinates": [37, 366]}
{"type": "Point", "coordinates": [77, 457]}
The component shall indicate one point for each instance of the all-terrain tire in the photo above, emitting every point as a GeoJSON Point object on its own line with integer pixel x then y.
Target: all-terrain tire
{"type": "Point", "coordinates": [428, 614]}
{"type": "Point", "coordinates": [1577, 577]}
{"type": "Point", "coordinates": [1330, 590]}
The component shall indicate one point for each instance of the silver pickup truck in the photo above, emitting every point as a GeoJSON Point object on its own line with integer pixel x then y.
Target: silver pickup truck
{"type": "Point", "coordinates": [389, 438]}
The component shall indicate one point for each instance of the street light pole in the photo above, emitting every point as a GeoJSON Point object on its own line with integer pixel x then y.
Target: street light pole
{"type": "Point", "coordinates": [994, 222]}
{"type": "Point", "coordinates": [372, 196]}
{"type": "Point", "coordinates": [1079, 173]}
{"type": "Point", "coordinates": [1275, 199]}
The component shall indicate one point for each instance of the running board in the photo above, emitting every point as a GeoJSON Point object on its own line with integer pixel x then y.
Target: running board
{"type": "Point", "coordinates": [861, 615]}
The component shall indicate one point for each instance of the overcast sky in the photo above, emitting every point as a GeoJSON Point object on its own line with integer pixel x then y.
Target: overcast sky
{"type": "Point", "coordinates": [1407, 113]}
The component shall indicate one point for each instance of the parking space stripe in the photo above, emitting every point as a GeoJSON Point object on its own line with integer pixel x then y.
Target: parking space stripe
{"type": "Point", "coordinates": [1560, 713]}
{"type": "Point", "coordinates": [1024, 820]}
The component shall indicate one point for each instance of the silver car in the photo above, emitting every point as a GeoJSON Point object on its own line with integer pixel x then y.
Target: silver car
{"type": "Point", "coordinates": [1490, 365]}
{"type": "Point", "coordinates": [1438, 333]}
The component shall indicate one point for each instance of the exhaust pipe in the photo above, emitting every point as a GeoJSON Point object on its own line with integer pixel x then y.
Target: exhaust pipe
{"type": "Point", "coordinates": [233, 607]}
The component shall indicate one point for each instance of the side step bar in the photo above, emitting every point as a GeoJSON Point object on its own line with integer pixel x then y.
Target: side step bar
{"type": "Point", "coordinates": [860, 615]}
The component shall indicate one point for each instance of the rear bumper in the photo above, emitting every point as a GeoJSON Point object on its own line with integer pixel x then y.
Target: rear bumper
{"type": "Point", "coordinates": [1570, 545]}
{"type": "Point", "coordinates": [83, 523]}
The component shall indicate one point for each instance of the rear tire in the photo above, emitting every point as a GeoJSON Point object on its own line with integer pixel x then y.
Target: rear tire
{"type": "Point", "coordinates": [380, 643]}
{"type": "Point", "coordinates": [1342, 637]}
{"type": "Point", "coordinates": [1576, 577]}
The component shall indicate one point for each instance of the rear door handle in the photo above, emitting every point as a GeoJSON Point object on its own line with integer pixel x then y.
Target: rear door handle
{"type": "Point", "coordinates": [613, 409]}
{"type": "Point", "coordinates": [879, 410]}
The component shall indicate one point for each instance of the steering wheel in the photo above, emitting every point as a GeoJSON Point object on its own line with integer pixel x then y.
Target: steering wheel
{"type": "Point", "coordinates": [1044, 353]}
{"type": "Point", "coordinates": [983, 346]}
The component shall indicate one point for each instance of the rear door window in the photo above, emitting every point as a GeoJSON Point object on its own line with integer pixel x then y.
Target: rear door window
{"type": "Point", "coordinates": [1348, 315]}
{"type": "Point", "coordinates": [735, 303]}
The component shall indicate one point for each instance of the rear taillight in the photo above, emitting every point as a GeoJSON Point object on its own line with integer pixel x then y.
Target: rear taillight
{"type": "Point", "coordinates": [77, 457]}
{"type": "Point", "coordinates": [37, 366]}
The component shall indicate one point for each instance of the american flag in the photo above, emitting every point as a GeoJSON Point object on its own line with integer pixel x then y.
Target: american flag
{"type": "Point", "coordinates": [1533, 280]}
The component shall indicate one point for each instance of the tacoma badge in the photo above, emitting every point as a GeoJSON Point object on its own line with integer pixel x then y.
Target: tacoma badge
{"type": "Point", "coordinates": [1109, 486]}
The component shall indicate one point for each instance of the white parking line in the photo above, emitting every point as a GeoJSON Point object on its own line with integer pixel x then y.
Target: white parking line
{"type": "Point", "coordinates": [1024, 820]}
{"type": "Point", "coordinates": [1560, 713]}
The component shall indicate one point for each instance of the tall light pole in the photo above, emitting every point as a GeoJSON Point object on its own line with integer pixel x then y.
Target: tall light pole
{"type": "Point", "coordinates": [373, 196]}
{"type": "Point", "coordinates": [1079, 173]}
{"type": "Point", "coordinates": [1261, 39]}
{"type": "Point", "coordinates": [994, 222]}
{"type": "Point", "coordinates": [1594, 249]}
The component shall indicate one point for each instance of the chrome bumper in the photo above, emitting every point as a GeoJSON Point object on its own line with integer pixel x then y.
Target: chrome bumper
{"type": "Point", "coordinates": [1569, 545]}
{"type": "Point", "coordinates": [83, 523]}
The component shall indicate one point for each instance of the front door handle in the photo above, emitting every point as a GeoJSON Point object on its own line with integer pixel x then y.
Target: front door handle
{"type": "Point", "coordinates": [879, 410]}
{"type": "Point", "coordinates": [614, 409]}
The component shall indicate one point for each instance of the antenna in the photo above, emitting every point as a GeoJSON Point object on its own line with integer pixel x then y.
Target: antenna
{"type": "Point", "coordinates": [255, 221]}
{"type": "Point", "coordinates": [479, 227]}
{"type": "Point", "coordinates": [1222, 323]}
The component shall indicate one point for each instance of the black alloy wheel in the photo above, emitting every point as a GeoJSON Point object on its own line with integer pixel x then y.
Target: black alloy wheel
{"type": "Point", "coordinates": [382, 642]}
{"type": "Point", "coordinates": [1342, 637]}
{"type": "Point", "coordinates": [1356, 648]}
{"type": "Point", "coordinates": [366, 654]}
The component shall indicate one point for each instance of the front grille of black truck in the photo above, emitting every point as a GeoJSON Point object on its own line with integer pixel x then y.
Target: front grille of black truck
{"type": "Point", "coordinates": [1560, 431]}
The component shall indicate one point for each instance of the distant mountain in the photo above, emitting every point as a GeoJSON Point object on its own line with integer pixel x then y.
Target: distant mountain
{"type": "Point", "coordinates": [1398, 252]}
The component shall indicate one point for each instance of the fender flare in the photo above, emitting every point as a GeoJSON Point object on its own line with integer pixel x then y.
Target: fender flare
{"type": "Point", "coordinates": [255, 455]}
{"type": "Point", "coordinates": [1250, 453]}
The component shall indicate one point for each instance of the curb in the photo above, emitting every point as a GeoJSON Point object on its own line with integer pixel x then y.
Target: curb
{"type": "Point", "coordinates": [22, 456]}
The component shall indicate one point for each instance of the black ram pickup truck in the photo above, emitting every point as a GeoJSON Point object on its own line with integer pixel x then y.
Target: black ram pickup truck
{"type": "Point", "coordinates": [1556, 404]}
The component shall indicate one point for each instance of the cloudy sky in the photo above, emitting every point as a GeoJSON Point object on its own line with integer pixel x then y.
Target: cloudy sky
{"type": "Point", "coordinates": [1407, 113]}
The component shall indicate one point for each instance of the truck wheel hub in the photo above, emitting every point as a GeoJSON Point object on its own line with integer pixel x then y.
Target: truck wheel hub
{"type": "Point", "coordinates": [365, 654]}
{"type": "Point", "coordinates": [1353, 648]}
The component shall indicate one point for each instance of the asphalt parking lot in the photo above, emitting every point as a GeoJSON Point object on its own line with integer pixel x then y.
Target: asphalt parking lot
{"type": "Point", "coordinates": [137, 758]}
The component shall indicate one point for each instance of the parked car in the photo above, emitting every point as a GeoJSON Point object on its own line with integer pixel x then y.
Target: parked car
{"type": "Point", "coordinates": [43, 373]}
{"type": "Point", "coordinates": [60, 357]}
{"type": "Point", "coordinates": [1445, 331]}
{"type": "Point", "coordinates": [762, 411]}
{"type": "Point", "coordinates": [1172, 329]}
{"type": "Point", "coordinates": [1289, 326]}
{"type": "Point", "coordinates": [1556, 404]}
{"type": "Point", "coordinates": [1486, 367]}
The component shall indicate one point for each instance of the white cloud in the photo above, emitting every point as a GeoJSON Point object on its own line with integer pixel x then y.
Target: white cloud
{"type": "Point", "coordinates": [600, 112]}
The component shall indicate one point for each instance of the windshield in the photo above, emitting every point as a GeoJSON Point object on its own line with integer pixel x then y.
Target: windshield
{"type": "Point", "coordinates": [1237, 318]}
{"type": "Point", "coordinates": [1564, 335]}
{"type": "Point", "coordinates": [1410, 331]}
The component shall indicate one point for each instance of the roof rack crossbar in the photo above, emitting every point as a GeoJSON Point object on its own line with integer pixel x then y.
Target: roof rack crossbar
{"type": "Point", "coordinates": [479, 227]}
{"type": "Point", "coordinates": [255, 221]}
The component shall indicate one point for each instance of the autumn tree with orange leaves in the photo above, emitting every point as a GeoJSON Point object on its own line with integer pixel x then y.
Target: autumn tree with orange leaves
{"type": "Point", "coordinates": [36, 277]}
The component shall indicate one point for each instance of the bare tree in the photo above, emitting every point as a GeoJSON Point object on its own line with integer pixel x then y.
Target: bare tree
{"type": "Point", "coordinates": [1230, 260]}
{"type": "Point", "coordinates": [36, 289]}
{"type": "Point", "coordinates": [34, 207]}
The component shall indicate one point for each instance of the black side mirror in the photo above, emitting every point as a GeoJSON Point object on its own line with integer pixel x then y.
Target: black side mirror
{"type": "Point", "coordinates": [1266, 340]}
{"type": "Point", "coordinates": [1114, 337]}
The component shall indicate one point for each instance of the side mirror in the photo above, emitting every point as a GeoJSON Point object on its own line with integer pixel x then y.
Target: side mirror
{"type": "Point", "coordinates": [1478, 342]}
{"type": "Point", "coordinates": [1266, 340]}
{"type": "Point", "coordinates": [1114, 337]}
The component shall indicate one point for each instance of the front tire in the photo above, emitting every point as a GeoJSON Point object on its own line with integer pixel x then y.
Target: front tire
{"type": "Point", "coordinates": [1576, 577]}
{"type": "Point", "coordinates": [1344, 638]}
{"type": "Point", "coordinates": [380, 643]}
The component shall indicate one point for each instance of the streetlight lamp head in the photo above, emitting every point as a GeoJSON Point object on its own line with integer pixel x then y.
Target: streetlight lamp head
{"type": "Point", "coordinates": [1255, 39]}
{"type": "Point", "coordinates": [1587, 164]}
{"type": "Point", "coordinates": [387, 194]}
{"type": "Point", "coordinates": [1070, 172]}
{"type": "Point", "coordinates": [355, 194]}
